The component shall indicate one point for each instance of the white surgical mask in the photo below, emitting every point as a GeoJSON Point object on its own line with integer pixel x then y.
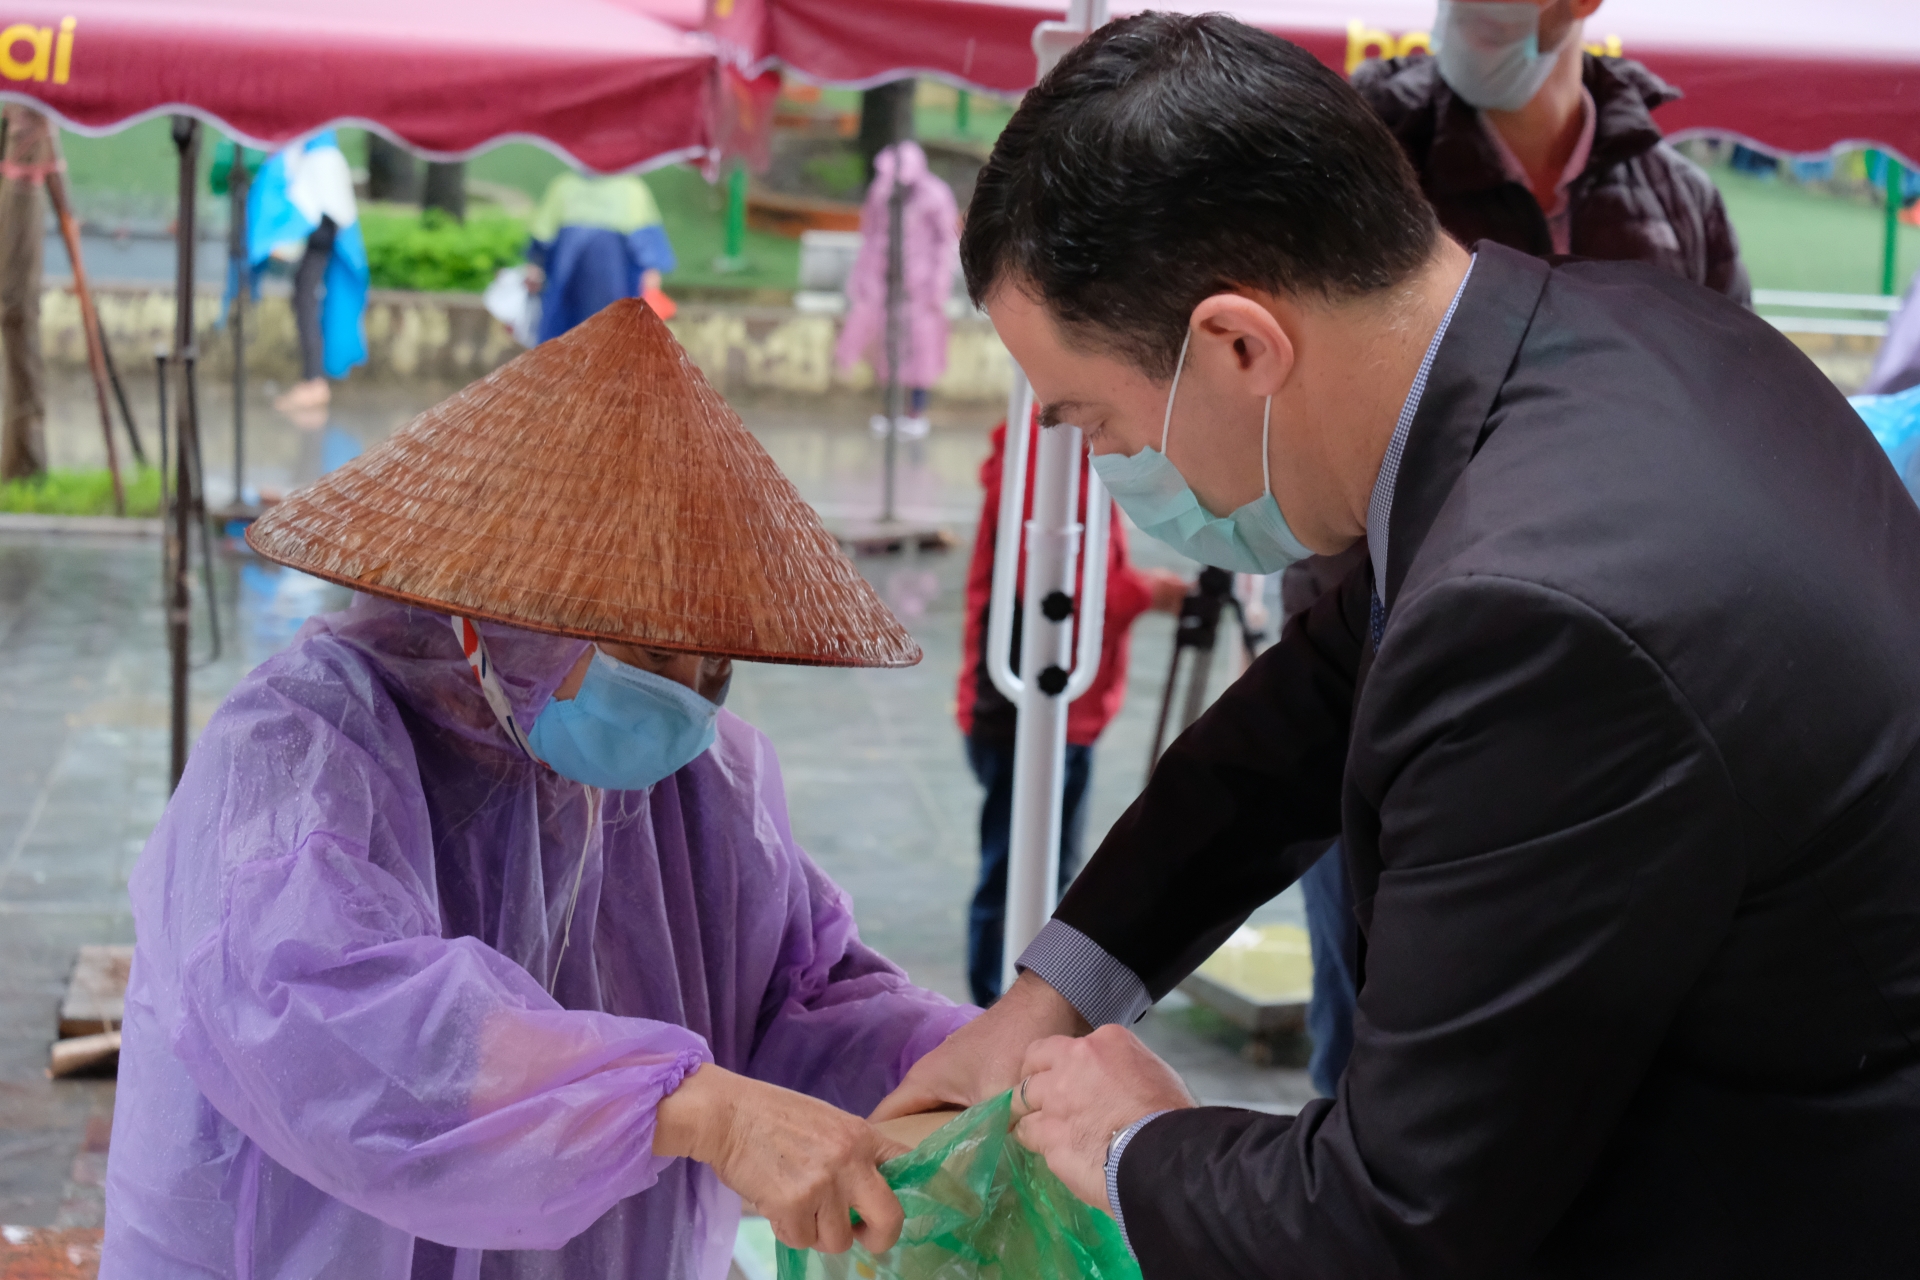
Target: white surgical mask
{"type": "Point", "coordinates": [1490, 53]}
{"type": "Point", "coordinates": [1155, 496]}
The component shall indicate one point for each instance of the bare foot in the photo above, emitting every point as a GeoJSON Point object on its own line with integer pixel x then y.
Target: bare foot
{"type": "Point", "coordinates": [314, 393]}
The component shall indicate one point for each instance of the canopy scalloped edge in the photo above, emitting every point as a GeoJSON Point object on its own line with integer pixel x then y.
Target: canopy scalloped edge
{"type": "Point", "coordinates": [702, 155]}
{"type": "Point", "coordinates": [1746, 140]}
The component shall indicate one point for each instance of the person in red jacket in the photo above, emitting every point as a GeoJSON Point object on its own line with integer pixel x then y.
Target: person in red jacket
{"type": "Point", "coordinates": [987, 719]}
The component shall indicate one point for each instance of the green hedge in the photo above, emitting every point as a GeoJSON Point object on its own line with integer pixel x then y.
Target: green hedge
{"type": "Point", "coordinates": [408, 249]}
{"type": "Point", "coordinates": [81, 493]}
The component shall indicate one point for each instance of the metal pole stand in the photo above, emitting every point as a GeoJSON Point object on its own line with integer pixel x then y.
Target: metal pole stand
{"type": "Point", "coordinates": [1056, 666]}
{"type": "Point", "coordinates": [238, 508]}
{"type": "Point", "coordinates": [187, 492]}
{"type": "Point", "coordinates": [889, 533]}
{"type": "Point", "coordinates": [733, 256]}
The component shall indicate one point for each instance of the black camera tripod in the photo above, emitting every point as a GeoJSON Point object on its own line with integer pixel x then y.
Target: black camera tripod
{"type": "Point", "coordinates": [1197, 630]}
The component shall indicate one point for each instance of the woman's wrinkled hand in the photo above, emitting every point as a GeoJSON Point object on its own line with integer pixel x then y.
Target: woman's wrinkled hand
{"type": "Point", "coordinates": [806, 1165]}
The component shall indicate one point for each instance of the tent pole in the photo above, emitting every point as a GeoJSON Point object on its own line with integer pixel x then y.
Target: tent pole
{"type": "Point", "coordinates": [1890, 254]}
{"type": "Point", "coordinates": [237, 184]}
{"type": "Point", "coordinates": [896, 288]}
{"type": "Point", "coordinates": [186, 139]}
{"type": "Point", "coordinates": [733, 256]}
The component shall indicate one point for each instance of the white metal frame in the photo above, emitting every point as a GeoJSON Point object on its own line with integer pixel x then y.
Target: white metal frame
{"type": "Point", "coordinates": [1055, 560]}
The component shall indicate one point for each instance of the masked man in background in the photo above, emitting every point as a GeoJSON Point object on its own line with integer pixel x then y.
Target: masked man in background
{"type": "Point", "coordinates": [1524, 136]}
{"type": "Point", "coordinates": [460, 929]}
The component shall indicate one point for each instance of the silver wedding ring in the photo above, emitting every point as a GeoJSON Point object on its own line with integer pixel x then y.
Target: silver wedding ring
{"type": "Point", "coordinates": [1024, 1104]}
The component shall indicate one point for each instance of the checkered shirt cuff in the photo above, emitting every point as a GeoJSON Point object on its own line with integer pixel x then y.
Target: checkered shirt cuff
{"type": "Point", "coordinates": [1098, 986]}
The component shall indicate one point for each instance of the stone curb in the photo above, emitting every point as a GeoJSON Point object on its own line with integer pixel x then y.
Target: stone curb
{"type": "Point", "coordinates": [743, 346]}
{"type": "Point", "coordinates": [83, 526]}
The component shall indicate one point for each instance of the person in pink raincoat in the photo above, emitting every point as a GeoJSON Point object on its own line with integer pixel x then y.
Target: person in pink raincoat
{"type": "Point", "coordinates": [930, 225]}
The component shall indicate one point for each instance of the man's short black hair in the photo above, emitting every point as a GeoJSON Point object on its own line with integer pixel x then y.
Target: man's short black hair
{"type": "Point", "coordinates": [1168, 158]}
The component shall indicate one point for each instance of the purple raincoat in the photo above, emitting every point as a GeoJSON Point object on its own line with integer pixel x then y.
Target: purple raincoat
{"type": "Point", "coordinates": [930, 224]}
{"type": "Point", "coordinates": [339, 1060]}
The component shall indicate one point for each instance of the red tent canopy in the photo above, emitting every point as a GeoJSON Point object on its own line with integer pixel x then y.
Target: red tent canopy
{"type": "Point", "coordinates": [1784, 74]}
{"type": "Point", "coordinates": [599, 80]}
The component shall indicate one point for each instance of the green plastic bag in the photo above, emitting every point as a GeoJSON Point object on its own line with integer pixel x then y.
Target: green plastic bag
{"type": "Point", "coordinates": [979, 1206]}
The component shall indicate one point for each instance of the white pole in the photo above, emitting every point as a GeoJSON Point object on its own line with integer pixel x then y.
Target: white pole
{"type": "Point", "coordinates": [1006, 543]}
{"type": "Point", "coordinates": [1041, 692]}
{"type": "Point", "coordinates": [1046, 656]}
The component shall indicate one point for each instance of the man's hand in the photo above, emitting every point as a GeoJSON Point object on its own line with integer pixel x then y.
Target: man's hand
{"type": "Point", "coordinates": [1081, 1093]}
{"type": "Point", "coordinates": [983, 1058]}
{"type": "Point", "coordinates": [1166, 589]}
{"type": "Point", "coordinates": [535, 277]}
{"type": "Point", "coordinates": [801, 1162]}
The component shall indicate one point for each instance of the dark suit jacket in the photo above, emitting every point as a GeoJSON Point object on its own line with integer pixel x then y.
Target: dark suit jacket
{"type": "Point", "coordinates": [1630, 798]}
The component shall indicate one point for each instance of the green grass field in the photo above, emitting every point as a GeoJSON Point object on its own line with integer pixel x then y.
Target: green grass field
{"type": "Point", "coordinates": [1793, 237]}
{"type": "Point", "coordinates": [82, 493]}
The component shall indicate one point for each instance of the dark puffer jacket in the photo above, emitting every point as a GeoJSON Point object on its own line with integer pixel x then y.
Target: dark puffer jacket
{"type": "Point", "coordinates": [1637, 200]}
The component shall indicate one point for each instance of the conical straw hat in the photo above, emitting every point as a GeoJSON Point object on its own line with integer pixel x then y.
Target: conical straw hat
{"type": "Point", "coordinates": [597, 487]}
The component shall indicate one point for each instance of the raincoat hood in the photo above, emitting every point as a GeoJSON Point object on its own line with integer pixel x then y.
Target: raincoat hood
{"type": "Point", "coordinates": [418, 656]}
{"type": "Point", "coordinates": [905, 159]}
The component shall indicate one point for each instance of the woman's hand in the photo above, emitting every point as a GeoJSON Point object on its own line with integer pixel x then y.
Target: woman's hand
{"type": "Point", "coordinates": [800, 1161]}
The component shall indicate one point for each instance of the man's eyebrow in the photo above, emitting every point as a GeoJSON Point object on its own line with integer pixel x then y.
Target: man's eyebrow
{"type": "Point", "coordinates": [1052, 415]}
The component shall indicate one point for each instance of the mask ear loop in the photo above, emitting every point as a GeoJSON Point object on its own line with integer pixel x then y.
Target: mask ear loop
{"type": "Point", "coordinates": [579, 874]}
{"type": "Point", "coordinates": [474, 646]}
{"type": "Point", "coordinates": [1166, 424]}
{"type": "Point", "coordinates": [1266, 467]}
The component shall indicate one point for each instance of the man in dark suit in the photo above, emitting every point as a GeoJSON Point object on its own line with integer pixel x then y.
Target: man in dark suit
{"type": "Point", "coordinates": [1619, 719]}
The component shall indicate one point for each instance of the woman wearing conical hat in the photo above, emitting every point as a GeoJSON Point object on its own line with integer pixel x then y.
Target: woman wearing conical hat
{"type": "Point", "coordinates": [474, 910]}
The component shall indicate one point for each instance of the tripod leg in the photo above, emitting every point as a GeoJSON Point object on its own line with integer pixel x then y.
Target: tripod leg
{"type": "Point", "coordinates": [1197, 684]}
{"type": "Point", "coordinates": [1166, 707]}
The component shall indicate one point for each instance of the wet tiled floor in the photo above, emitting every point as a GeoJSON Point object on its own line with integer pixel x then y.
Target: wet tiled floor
{"type": "Point", "coordinates": [877, 781]}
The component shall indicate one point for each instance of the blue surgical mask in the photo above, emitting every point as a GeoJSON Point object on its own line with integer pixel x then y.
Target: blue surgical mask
{"type": "Point", "coordinates": [1155, 496]}
{"type": "Point", "coordinates": [625, 729]}
{"type": "Point", "coordinates": [1490, 53]}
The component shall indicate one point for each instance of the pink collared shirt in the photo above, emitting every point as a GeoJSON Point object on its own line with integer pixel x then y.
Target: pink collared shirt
{"type": "Point", "coordinates": [1560, 217]}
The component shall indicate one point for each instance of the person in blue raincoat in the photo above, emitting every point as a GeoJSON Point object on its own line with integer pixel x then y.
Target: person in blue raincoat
{"type": "Point", "coordinates": [595, 240]}
{"type": "Point", "coordinates": [302, 205]}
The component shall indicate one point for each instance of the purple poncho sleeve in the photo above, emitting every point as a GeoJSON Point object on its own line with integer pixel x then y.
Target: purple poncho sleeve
{"type": "Point", "coordinates": [839, 1021]}
{"type": "Point", "coordinates": [426, 1080]}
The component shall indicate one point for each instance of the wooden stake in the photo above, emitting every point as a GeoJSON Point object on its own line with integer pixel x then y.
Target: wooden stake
{"type": "Point", "coordinates": [89, 321]}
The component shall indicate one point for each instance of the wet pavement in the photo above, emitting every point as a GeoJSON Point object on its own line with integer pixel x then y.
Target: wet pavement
{"type": "Point", "coordinates": [878, 785]}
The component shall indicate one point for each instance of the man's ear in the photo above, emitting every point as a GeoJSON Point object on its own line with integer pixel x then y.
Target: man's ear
{"type": "Point", "coordinates": [1247, 337]}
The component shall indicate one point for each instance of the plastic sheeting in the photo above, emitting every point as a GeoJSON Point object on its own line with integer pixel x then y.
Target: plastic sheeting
{"type": "Point", "coordinates": [1786, 75]}
{"type": "Point", "coordinates": [1895, 422]}
{"type": "Point", "coordinates": [339, 1056]}
{"type": "Point", "coordinates": [980, 1206]}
